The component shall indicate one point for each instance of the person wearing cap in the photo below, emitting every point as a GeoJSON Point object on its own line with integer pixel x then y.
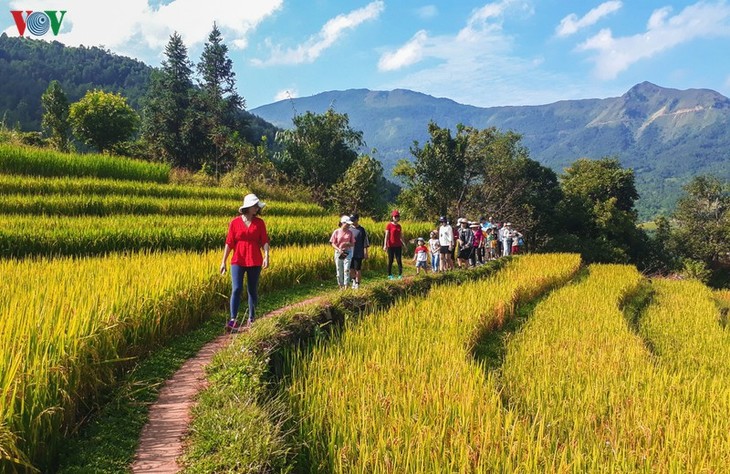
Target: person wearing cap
{"type": "Point", "coordinates": [342, 241]}
{"type": "Point", "coordinates": [420, 255]}
{"type": "Point", "coordinates": [394, 244]}
{"type": "Point", "coordinates": [466, 242]}
{"type": "Point", "coordinates": [359, 250]}
{"type": "Point", "coordinates": [446, 243]}
{"type": "Point", "coordinates": [246, 239]}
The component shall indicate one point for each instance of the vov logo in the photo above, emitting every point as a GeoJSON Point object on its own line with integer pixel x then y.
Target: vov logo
{"type": "Point", "coordinates": [39, 22]}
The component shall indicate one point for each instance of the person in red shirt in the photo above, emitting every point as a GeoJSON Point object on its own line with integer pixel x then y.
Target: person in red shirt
{"type": "Point", "coordinates": [246, 238]}
{"type": "Point", "coordinates": [394, 244]}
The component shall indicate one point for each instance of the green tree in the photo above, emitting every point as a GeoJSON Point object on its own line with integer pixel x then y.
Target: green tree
{"type": "Point", "coordinates": [318, 150]}
{"type": "Point", "coordinates": [219, 105]}
{"type": "Point", "coordinates": [437, 175]}
{"type": "Point", "coordinates": [167, 119]}
{"type": "Point", "coordinates": [102, 119]}
{"type": "Point", "coordinates": [55, 116]}
{"type": "Point", "coordinates": [598, 211]}
{"type": "Point", "coordinates": [702, 220]}
{"type": "Point", "coordinates": [359, 190]}
{"type": "Point", "coordinates": [480, 173]}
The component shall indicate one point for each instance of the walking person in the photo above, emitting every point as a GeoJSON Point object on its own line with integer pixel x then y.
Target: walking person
{"type": "Point", "coordinates": [435, 248]}
{"type": "Point", "coordinates": [507, 239]}
{"type": "Point", "coordinates": [516, 242]}
{"type": "Point", "coordinates": [492, 244]}
{"type": "Point", "coordinates": [466, 242]}
{"type": "Point", "coordinates": [246, 239]}
{"type": "Point", "coordinates": [359, 250]}
{"type": "Point", "coordinates": [342, 241]}
{"type": "Point", "coordinates": [394, 244]}
{"type": "Point", "coordinates": [446, 244]}
{"type": "Point", "coordinates": [477, 254]}
{"type": "Point", "coordinates": [420, 255]}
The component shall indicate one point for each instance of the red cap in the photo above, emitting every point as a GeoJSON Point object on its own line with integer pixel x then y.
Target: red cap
{"type": "Point", "coordinates": [395, 213]}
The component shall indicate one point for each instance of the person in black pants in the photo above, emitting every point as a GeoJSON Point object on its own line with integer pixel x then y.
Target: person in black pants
{"type": "Point", "coordinates": [394, 244]}
{"type": "Point", "coordinates": [359, 250]}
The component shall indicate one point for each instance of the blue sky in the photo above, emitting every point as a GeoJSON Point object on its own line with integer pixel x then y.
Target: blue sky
{"type": "Point", "coordinates": [509, 52]}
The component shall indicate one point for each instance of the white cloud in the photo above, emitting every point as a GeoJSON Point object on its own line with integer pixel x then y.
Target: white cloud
{"type": "Point", "coordinates": [135, 27]}
{"type": "Point", "coordinates": [612, 55]}
{"type": "Point", "coordinates": [483, 31]}
{"type": "Point", "coordinates": [410, 53]}
{"type": "Point", "coordinates": [474, 65]}
{"type": "Point", "coordinates": [286, 94]}
{"type": "Point", "coordinates": [333, 30]}
{"type": "Point", "coordinates": [571, 23]}
{"type": "Point", "coordinates": [427, 12]}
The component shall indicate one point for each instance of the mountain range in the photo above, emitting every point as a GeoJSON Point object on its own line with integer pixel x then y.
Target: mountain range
{"type": "Point", "coordinates": [666, 135]}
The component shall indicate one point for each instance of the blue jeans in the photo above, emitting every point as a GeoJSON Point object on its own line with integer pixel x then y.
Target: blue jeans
{"type": "Point", "coordinates": [252, 286]}
{"type": "Point", "coordinates": [435, 258]}
{"type": "Point", "coordinates": [342, 266]}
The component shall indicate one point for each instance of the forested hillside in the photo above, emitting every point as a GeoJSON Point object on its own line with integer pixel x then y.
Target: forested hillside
{"type": "Point", "coordinates": [27, 67]}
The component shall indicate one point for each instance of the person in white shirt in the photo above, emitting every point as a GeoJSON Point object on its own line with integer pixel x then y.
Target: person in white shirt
{"type": "Point", "coordinates": [434, 247]}
{"type": "Point", "coordinates": [446, 242]}
{"type": "Point", "coordinates": [506, 232]}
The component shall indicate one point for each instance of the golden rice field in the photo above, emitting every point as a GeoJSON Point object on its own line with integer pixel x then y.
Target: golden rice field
{"type": "Point", "coordinates": [114, 205]}
{"type": "Point", "coordinates": [401, 392]}
{"type": "Point", "coordinates": [66, 323]}
{"type": "Point", "coordinates": [90, 235]}
{"type": "Point", "coordinates": [89, 186]}
{"type": "Point", "coordinates": [580, 388]}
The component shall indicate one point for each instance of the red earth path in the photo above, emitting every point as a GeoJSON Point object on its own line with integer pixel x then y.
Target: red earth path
{"type": "Point", "coordinates": [161, 441]}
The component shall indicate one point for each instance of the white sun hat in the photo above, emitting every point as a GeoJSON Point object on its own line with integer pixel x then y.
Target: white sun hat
{"type": "Point", "coordinates": [251, 200]}
{"type": "Point", "coordinates": [345, 220]}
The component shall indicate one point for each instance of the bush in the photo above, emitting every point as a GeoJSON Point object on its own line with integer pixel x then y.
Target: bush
{"type": "Point", "coordinates": [696, 270]}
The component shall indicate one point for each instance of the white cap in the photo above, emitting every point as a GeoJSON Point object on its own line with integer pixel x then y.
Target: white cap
{"type": "Point", "coordinates": [251, 200]}
{"type": "Point", "coordinates": [345, 219]}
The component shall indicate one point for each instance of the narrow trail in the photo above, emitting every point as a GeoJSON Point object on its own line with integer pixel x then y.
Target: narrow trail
{"type": "Point", "coordinates": [161, 441]}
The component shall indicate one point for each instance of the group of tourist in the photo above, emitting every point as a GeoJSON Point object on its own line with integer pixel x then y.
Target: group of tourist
{"type": "Point", "coordinates": [471, 243]}
{"type": "Point", "coordinates": [468, 244]}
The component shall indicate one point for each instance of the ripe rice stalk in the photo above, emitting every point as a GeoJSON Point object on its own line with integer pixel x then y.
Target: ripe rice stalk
{"type": "Point", "coordinates": [400, 392]}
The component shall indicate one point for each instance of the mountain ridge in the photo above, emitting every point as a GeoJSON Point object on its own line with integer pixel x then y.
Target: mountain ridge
{"type": "Point", "coordinates": [666, 135]}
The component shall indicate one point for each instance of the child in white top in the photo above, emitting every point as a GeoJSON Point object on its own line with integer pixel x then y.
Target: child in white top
{"type": "Point", "coordinates": [420, 256]}
{"type": "Point", "coordinates": [434, 245]}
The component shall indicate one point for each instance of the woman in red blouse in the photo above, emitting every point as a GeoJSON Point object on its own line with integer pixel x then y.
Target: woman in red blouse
{"type": "Point", "coordinates": [246, 237]}
{"type": "Point", "coordinates": [394, 243]}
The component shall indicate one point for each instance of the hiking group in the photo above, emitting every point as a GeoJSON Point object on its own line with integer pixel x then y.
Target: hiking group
{"type": "Point", "coordinates": [469, 244]}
